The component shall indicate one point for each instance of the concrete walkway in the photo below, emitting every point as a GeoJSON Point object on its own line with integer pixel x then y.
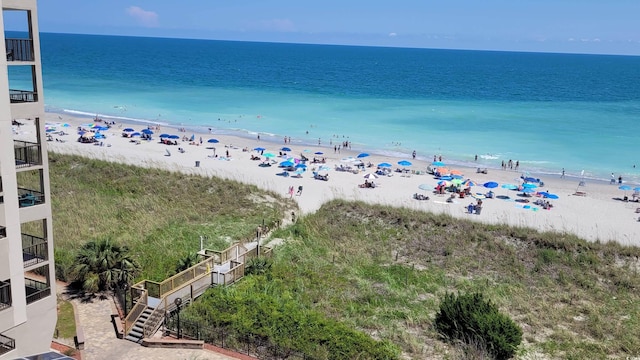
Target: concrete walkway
{"type": "Point", "coordinates": [102, 343]}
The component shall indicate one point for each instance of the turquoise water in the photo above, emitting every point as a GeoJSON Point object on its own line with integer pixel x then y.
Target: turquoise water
{"type": "Point", "coordinates": [549, 111]}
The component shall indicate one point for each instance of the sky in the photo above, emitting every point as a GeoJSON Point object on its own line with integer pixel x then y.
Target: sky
{"type": "Point", "coordinates": [567, 26]}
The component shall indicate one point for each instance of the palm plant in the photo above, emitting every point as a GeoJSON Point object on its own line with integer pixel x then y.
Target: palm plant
{"type": "Point", "coordinates": [102, 264]}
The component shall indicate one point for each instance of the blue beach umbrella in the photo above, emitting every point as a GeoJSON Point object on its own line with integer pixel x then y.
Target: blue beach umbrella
{"type": "Point", "coordinates": [147, 131]}
{"type": "Point", "coordinates": [624, 187]}
{"type": "Point", "coordinates": [162, 136]}
{"type": "Point", "coordinates": [490, 185]}
{"type": "Point", "coordinates": [213, 141]}
{"type": "Point", "coordinates": [509, 186]}
{"type": "Point", "coordinates": [301, 166]}
{"type": "Point", "coordinates": [318, 153]}
{"type": "Point", "coordinates": [404, 163]}
{"type": "Point", "coordinates": [362, 155]}
{"type": "Point", "coordinates": [268, 155]}
{"type": "Point", "coordinates": [636, 188]}
{"type": "Point", "coordinates": [529, 186]}
{"type": "Point", "coordinates": [384, 165]}
{"type": "Point", "coordinates": [446, 178]}
{"type": "Point", "coordinates": [286, 163]}
{"type": "Point", "coordinates": [530, 179]}
{"type": "Point", "coordinates": [135, 134]}
{"type": "Point", "coordinates": [470, 183]}
{"type": "Point", "coordinates": [174, 137]}
{"type": "Point", "coordinates": [438, 164]}
{"type": "Point", "coordinates": [528, 190]}
{"type": "Point", "coordinates": [460, 177]}
{"type": "Point", "coordinates": [285, 149]}
{"type": "Point", "coordinates": [548, 195]}
{"type": "Point", "coordinates": [128, 130]}
{"type": "Point", "coordinates": [259, 149]}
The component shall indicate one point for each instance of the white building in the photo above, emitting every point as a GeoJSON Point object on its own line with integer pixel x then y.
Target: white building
{"type": "Point", "coordinates": [27, 272]}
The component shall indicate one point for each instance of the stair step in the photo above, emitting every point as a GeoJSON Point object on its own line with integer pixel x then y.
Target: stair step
{"type": "Point", "coordinates": [132, 338]}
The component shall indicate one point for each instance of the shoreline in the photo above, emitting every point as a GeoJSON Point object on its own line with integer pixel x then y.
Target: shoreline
{"type": "Point", "coordinates": [276, 139]}
{"type": "Point", "coordinates": [594, 217]}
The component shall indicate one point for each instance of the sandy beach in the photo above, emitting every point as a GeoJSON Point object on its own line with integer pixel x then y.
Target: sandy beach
{"type": "Point", "coordinates": [598, 214]}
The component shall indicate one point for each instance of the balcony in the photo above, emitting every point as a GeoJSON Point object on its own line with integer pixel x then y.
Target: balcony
{"type": "Point", "coordinates": [5, 294]}
{"type": "Point", "coordinates": [6, 344]}
{"type": "Point", "coordinates": [34, 250]}
{"type": "Point", "coordinates": [28, 197]}
{"type": "Point", "coordinates": [27, 153]}
{"type": "Point", "coordinates": [22, 96]}
{"type": "Point", "coordinates": [36, 290]}
{"type": "Point", "coordinates": [3, 232]}
{"type": "Point", "coordinates": [19, 49]}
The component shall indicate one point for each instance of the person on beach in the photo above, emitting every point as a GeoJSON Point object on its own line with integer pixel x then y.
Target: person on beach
{"type": "Point", "coordinates": [619, 180]}
{"type": "Point", "coordinates": [299, 190]}
{"type": "Point", "coordinates": [562, 176]}
{"type": "Point", "coordinates": [291, 192]}
{"type": "Point", "coordinates": [414, 154]}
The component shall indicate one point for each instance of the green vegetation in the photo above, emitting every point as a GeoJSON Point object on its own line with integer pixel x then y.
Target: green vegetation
{"type": "Point", "coordinates": [157, 214]}
{"type": "Point", "coordinates": [259, 308]}
{"type": "Point", "coordinates": [475, 321]}
{"type": "Point", "coordinates": [66, 325]}
{"type": "Point", "coordinates": [103, 265]}
{"type": "Point", "coordinates": [379, 270]}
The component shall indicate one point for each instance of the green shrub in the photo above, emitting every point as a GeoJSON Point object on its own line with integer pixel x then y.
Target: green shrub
{"type": "Point", "coordinates": [473, 320]}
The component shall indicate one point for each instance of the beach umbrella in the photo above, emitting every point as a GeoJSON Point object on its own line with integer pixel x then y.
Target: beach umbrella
{"type": "Point", "coordinates": [286, 163]}
{"type": "Point", "coordinates": [636, 188]}
{"type": "Point", "coordinates": [285, 149]}
{"type": "Point", "coordinates": [268, 155]}
{"type": "Point", "coordinates": [213, 141]}
{"type": "Point", "coordinates": [362, 155]}
{"type": "Point", "coordinates": [174, 137]}
{"type": "Point", "coordinates": [530, 179]}
{"type": "Point", "coordinates": [471, 183]}
{"type": "Point", "coordinates": [301, 166]}
{"type": "Point", "coordinates": [259, 149]}
{"type": "Point", "coordinates": [128, 130]}
{"type": "Point", "coordinates": [318, 153]}
{"type": "Point", "coordinates": [384, 165]}
{"type": "Point", "coordinates": [446, 178]}
{"type": "Point", "coordinates": [455, 172]}
{"type": "Point", "coordinates": [457, 176]}
{"type": "Point", "coordinates": [404, 163]}
{"type": "Point", "coordinates": [492, 184]}
{"type": "Point", "coordinates": [624, 187]}
{"type": "Point", "coordinates": [509, 186]}
{"type": "Point", "coordinates": [438, 164]}
{"type": "Point", "coordinates": [425, 187]}
{"type": "Point", "coordinates": [50, 130]}
{"type": "Point", "coordinates": [548, 195]}
{"type": "Point", "coordinates": [148, 132]}
{"type": "Point", "coordinates": [162, 136]}
{"type": "Point", "coordinates": [370, 176]}
{"type": "Point", "coordinates": [527, 190]}
{"type": "Point", "coordinates": [457, 181]}
{"type": "Point", "coordinates": [135, 134]}
{"type": "Point", "coordinates": [102, 128]}
{"type": "Point", "coordinates": [529, 186]}
{"type": "Point", "coordinates": [443, 182]}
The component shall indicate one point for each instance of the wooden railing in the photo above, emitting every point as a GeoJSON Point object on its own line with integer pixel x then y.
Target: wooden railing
{"type": "Point", "coordinates": [139, 306]}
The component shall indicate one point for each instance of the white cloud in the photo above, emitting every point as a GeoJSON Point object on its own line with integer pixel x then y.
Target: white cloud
{"type": "Point", "coordinates": [143, 17]}
{"type": "Point", "coordinates": [393, 34]}
{"type": "Point", "coordinates": [278, 25]}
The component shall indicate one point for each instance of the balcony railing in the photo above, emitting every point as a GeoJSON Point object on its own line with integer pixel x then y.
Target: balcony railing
{"type": "Point", "coordinates": [34, 250]}
{"type": "Point", "coordinates": [22, 96]}
{"type": "Point", "coordinates": [5, 294]}
{"type": "Point", "coordinates": [3, 232]}
{"type": "Point", "coordinates": [6, 344]}
{"type": "Point", "coordinates": [28, 197]}
{"type": "Point", "coordinates": [36, 290]}
{"type": "Point", "coordinates": [27, 153]}
{"type": "Point", "coordinates": [19, 49]}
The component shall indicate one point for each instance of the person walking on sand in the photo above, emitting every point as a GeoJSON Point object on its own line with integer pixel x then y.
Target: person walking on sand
{"type": "Point", "coordinates": [299, 190]}
{"type": "Point", "coordinates": [562, 176]}
{"type": "Point", "coordinates": [414, 154]}
{"type": "Point", "coordinates": [291, 192]}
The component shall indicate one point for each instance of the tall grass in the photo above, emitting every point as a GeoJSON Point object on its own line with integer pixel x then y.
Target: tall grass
{"type": "Point", "coordinates": [160, 215]}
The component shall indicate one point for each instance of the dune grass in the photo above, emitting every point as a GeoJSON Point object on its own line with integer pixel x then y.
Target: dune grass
{"type": "Point", "coordinates": [159, 215]}
{"type": "Point", "coordinates": [384, 270]}
{"type": "Point", "coordinates": [379, 269]}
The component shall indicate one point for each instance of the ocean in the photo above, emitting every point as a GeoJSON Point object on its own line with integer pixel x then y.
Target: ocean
{"type": "Point", "coordinates": [547, 111]}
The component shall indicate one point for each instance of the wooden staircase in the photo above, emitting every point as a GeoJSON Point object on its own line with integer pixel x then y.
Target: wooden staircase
{"type": "Point", "coordinates": [152, 300]}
